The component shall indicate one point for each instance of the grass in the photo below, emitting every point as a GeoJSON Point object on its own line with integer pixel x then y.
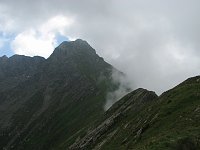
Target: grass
{"type": "Point", "coordinates": [172, 122]}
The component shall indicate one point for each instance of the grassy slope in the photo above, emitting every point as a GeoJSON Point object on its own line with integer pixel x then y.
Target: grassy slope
{"type": "Point", "coordinates": [170, 122]}
{"type": "Point", "coordinates": [178, 122]}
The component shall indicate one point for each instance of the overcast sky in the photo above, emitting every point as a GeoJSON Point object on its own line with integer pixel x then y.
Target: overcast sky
{"type": "Point", "coordinates": [155, 42]}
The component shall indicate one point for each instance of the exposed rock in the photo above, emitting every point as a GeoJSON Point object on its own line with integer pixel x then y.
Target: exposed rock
{"type": "Point", "coordinates": [116, 112]}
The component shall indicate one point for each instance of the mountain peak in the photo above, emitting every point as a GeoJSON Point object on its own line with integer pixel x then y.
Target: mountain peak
{"type": "Point", "coordinates": [72, 48]}
{"type": "Point", "coordinates": [17, 56]}
{"type": "Point", "coordinates": [4, 58]}
{"type": "Point", "coordinates": [77, 42]}
{"type": "Point", "coordinates": [80, 41]}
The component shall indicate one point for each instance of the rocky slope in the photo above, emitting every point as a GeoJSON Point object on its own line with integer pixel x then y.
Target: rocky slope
{"type": "Point", "coordinates": [110, 124]}
{"type": "Point", "coordinates": [143, 121]}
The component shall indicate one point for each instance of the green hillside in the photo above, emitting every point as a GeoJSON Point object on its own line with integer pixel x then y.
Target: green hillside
{"type": "Point", "coordinates": [143, 121]}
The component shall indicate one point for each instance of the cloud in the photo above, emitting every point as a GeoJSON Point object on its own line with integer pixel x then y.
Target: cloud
{"type": "Point", "coordinates": [124, 87]}
{"type": "Point", "coordinates": [6, 23]}
{"type": "Point", "coordinates": [32, 43]}
{"type": "Point", "coordinates": [156, 43]}
{"type": "Point", "coordinates": [2, 42]}
{"type": "Point", "coordinates": [42, 40]}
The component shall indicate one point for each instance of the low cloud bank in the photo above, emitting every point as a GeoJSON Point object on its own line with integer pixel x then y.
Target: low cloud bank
{"type": "Point", "coordinates": [123, 88]}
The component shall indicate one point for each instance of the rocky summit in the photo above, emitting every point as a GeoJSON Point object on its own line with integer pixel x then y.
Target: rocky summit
{"type": "Point", "coordinates": [58, 103]}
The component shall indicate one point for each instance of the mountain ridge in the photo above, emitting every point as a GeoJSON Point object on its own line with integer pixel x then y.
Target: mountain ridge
{"type": "Point", "coordinates": [46, 96]}
{"type": "Point", "coordinates": [58, 103]}
{"type": "Point", "coordinates": [169, 121]}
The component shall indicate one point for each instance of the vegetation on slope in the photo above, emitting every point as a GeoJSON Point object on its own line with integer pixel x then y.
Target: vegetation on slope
{"type": "Point", "coordinates": [171, 121]}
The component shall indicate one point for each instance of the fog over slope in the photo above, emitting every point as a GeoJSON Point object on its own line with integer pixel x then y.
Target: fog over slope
{"type": "Point", "coordinates": [156, 43]}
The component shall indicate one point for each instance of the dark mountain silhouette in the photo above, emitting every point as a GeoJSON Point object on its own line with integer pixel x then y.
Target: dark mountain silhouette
{"type": "Point", "coordinates": [43, 102]}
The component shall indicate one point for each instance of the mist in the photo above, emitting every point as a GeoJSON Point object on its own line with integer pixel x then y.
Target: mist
{"type": "Point", "coordinates": [155, 43]}
{"type": "Point", "coordinates": [124, 87]}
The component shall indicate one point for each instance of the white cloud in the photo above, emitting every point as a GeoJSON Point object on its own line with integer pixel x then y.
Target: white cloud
{"type": "Point", "coordinates": [2, 41]}
{"type": "Point", "coordinates": [124, 88]}
{"type": "Point", "coordinates": [31, 43]}
{"type": "Point", "coordinates": [56, 24]}
{"type": "Point", "coordinates": [42, 40]}
{"type": "Point", "coordinates": [156, 43]}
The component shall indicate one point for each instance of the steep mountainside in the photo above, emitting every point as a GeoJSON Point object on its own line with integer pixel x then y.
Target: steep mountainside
{"type": "Point", "coordinates": [17, 69]}
{"type": "Point", "coordinates": [143, 121]}
{"type": "Point", "coordinates": [58, 104]}
{"type": "Point", "coordinates": [44, 102]}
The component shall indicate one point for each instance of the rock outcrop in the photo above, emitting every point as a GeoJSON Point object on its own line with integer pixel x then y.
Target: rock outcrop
{"type": "Point", "coordinates": [118, 112]}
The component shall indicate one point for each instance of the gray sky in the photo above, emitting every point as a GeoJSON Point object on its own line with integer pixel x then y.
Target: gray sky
{"type": "Point", "coordinates": [156, 43]}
